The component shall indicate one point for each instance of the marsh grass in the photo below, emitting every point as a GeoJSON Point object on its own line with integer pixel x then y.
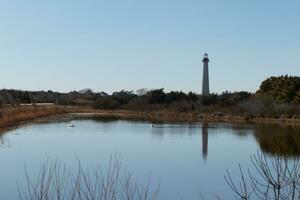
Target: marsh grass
{"type": "Point", "coordinates": [12, 115]}
{"type": "Point", "coordinates": [57, 182]}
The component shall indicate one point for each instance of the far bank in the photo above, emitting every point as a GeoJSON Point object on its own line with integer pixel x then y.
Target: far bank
{"type": "Point", "coordinates": [14, 115]}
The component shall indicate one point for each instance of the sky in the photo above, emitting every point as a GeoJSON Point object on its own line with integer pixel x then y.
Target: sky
{"type": "Point", "coordinates": [66, 45]}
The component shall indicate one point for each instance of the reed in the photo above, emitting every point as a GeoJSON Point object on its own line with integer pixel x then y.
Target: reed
{"type": "Point", "coordinates": [55, 181]}
{"type": "Point", "coordinates": [13, 115]}
{"type": "Point", "coordinates": [10, 116]}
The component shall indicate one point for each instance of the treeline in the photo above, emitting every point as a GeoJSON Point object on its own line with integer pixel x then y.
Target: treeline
{"type": "Point", "coordinates": [231, 103]}
{"type": "Point", "coordinates": [158, 99]}
{"type": "Point", "coordinates": [277, 96]}
{"type": "Point", "coordinates": [16, 97]}
{"type": "Point", "coordinates": [121, 99]}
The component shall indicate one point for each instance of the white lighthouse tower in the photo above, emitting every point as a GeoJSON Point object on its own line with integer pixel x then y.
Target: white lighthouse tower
{"type": "Point", "coordinates": [205, 82]}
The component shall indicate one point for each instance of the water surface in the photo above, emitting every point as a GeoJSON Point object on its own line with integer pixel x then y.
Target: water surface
{"type": "Point", "coordinates": [187, 160]}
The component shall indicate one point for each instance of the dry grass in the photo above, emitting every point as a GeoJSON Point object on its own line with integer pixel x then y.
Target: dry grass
{"type": "Point", "coordinates": [13, 115]}
{"type": "Point", "coordinates": [55, 181]}
{"type": "Point", "coordinates": [10, 116]}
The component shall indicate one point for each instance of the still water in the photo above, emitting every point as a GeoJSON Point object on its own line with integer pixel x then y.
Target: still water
{"type": "Point", "coordinates": [187, 160]}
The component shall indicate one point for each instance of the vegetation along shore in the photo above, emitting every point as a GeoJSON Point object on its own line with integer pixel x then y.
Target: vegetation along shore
{"type": "Point", "coordinates": [276, 101]}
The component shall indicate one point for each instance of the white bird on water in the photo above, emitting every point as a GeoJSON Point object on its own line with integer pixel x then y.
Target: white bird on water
{"type": "Point", "coordinates": [151, 125]}
{"type": "Point", "coordinates": [70, 125]}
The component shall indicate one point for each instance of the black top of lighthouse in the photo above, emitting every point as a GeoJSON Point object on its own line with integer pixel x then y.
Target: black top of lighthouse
{"type": "Point", "coordinates": [205, 58]}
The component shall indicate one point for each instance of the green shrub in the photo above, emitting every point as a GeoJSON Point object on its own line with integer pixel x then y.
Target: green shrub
{"type": "Point", "coordinates": [106, 103]}
{"type": "Point", "coordinates": [284, 89]}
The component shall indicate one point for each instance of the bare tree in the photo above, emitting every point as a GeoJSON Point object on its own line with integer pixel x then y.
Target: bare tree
{"type": "Point", "coordinates": [277, 178]}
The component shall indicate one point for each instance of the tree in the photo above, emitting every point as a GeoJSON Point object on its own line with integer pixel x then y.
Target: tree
{"type": "Point", "coordinates": [175, 96]}
{"type": "Point", "coordinates": [283, 89]}
{"type": "Point", "coordinates": [192, 96]}
{"type": "Point", "coordinates": [123, 97]}
{"type": "Point", "coordinates": [156, 96]}
{"type": "Point", "coordinates": [106, 103]}
{"type": "Point", "coordinates": [209, 100]}
{"type": "Point", "coordinates": [230, 99]}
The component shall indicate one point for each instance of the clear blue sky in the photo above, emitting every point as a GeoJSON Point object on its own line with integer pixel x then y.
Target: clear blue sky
{"type": "Point", "coordinates": [111, 45]}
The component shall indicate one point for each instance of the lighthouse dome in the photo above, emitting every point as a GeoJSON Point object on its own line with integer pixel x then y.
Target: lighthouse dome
{"type": "Point", "coordinates": [205, 58]}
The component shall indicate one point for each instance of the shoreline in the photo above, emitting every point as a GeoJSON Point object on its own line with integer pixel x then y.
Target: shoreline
{"type": "Point", "coordinates": [14, 116]}
{"type": "Point", "coordinates": [162, 116]}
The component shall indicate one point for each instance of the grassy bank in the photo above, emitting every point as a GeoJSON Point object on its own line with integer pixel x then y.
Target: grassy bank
{"type": "Point", "coordinates": [12, 115]}
{"type": "Point", "coordinates": [171, 116]}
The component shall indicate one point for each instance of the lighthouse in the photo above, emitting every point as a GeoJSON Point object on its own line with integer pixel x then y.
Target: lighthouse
{"type": "Point", "coordinates": [205, 81]}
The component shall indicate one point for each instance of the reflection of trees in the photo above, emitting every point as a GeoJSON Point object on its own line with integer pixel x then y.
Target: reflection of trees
{"type": "Point", "coordinates": [3, 140]}
{"type": "Point", "coordinates": [174, 129]}
{"type": "Point", "coordinates": [279, 140]}
{"type": "Point", "coordinates": [158, 131]}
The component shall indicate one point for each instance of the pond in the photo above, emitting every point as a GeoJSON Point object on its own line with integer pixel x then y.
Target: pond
{"type": "Point", "coordinates": [187, 160]}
